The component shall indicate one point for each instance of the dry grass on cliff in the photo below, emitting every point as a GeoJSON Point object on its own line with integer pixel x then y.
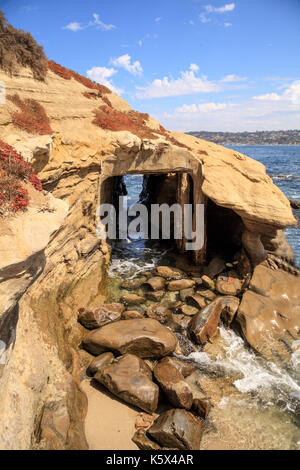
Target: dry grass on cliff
{"type": "Point", "coordinates": [19, 49]}
{"type": "Point", "coordinates": [32, 117]}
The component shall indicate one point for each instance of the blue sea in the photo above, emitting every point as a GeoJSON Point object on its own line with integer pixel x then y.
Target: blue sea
{"type": "Point", "coordinates": [283, 165]}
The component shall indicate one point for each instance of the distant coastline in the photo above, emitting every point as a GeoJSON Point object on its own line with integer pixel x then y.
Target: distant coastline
{"type": "Point", "coordinates": [267, 138]}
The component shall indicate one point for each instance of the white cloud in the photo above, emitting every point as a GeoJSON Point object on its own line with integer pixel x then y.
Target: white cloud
{"type": "Point", "coordinates": [124, 61]}
{"type": "Point", "coordinates": [75, 26]}
{"type": "Point", "coordinates": [291, 94]}
{"type": "Point", "coordinates": [232, 78]}
{"type": "Point", "coordinates": [101, 75]}
{"type": "Point", "coordinates": [204, 107]}
{"type": "Point", "coordinates": [267, 97]}
{"type": "Point", "coordinates": [209, 9]}
{"type": "Point", "coordinates": [140, 43]}
{"type": "Point", "coordinates": [224, 9]}
{"type": "Point", "coordinates": [187, 84]}
{"type": "Point", "coordinates": [227, 25]}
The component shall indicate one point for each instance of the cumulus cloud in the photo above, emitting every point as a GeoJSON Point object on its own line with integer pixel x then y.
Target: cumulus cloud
{"type": "Point", "coordinates": [101, 75]}
{"type": "Point", "coordinates": [96, 22]}
{"type": "Point", "coordinates": [188, 83]}
{"type": "Point", "coordinates": [290, 94]}
{"type": "Point", "coordinates": [267, 97]}
{"type": "Point", "coordinates": [124, 62]}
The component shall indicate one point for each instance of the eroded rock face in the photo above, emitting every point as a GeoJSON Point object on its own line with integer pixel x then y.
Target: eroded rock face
{"type": "Point", "coordinates": [100, 316]}
{"type": "Point", "coordinates": [177, 428]}
{"type": "Point", "coordinates": [172, 383]}
{"type": "Point", "coordinates": [131, 380]}
{"type": "Point", "coordinates": [144, 337]}
{"type": "Point", "coordinates": [269, 313]}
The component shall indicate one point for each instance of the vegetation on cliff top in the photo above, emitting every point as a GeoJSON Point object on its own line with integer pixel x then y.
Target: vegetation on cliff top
{"type": "Point", "coordinates": [18, 48]}
{"type": "Point", "coordinates": [13, 172]}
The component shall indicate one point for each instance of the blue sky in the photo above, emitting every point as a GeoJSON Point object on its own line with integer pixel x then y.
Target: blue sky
{"type": "Point", "coordinates": [193, 64]}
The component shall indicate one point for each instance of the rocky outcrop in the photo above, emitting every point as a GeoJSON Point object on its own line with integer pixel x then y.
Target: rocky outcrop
{"type": "Point", "coordinates": [269, 313]}
{"type": "Point", "coordinates": [144, 337]}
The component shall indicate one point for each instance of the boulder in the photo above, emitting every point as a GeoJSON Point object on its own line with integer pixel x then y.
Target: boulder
{"type": "Point", "coordinates": [132, 284]}
{"type": "Point", "coordinates": [196, 300]}
{"type": "Point", "coordinates": [132, 299]}
{"type": "Point", "coordinates": [156, 283]}
{"type": "Point", "coordinates": [206, 294]}
{"type": "Point", "coordinates": [215, 267]}
{"type": "Point", "coordinates": [269, 314]}
{"type": "Point", "coordinates": [189, 310]}
{"type": "Point", "coordinates": [143, 442]}
{"type": "Point", "coordinates": [156, 296]}
{"type": "Point", "coordinates": [184, 367]}
{"type": "Point", "coordinates": [228, 285]}
{"type": "Point", "coordinates": [201, 407]}
{"type": "Point", "coordinates": [204, 325]}
{"type": "Point", "coordinates": [100, 361]}
{"type": "Point", "coordinates": [184, 293]}
{"type": "Point", "coordinates": [180, 284]}
{"type": "Point", "coordinates": [131, 380]}
{"type": "Point", "coordinates": [177, 428]}
{"type": "Point", "coordinates": [144, 337]}
{"type": "Point", "coordinates": [173, 385]}
{"type": "Point", "coordinates": [100, 316]}
{"type": "Point", "coordinates": [159, 312]}
{"type": "Point", "coordinates": [170, 273]}
{"type": "Point", "coordinates": [230, 307]}
{"type": "Point", "coordinates": [130, 314]}
{"type": "Point", "coordinates": [208, 282]}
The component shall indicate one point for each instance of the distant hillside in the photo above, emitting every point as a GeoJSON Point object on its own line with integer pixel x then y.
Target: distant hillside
{"type": "Point", "coordinates": [290, 137]}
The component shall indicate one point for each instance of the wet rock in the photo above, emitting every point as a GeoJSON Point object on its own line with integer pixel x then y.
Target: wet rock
{"type": "Point", "coordinates": [132, 299]}
{"type": "Point", "coordinates": [173, 305]}
{"type": "Point", "coordinates": [269, 313]}
{"type": "Point", "coordinates": [204, 325]}
{"type": "Point", "coordinates": [189, 310]}
{"type": "Point", "coordinates": [143, 442]}
{"type": "Point", "coordinates": [198, 281]}
{"type": "Point", "coordinates": [170, 273]}
{"type": "Point", "coordinates": [228, 285]}
{"type": "Point", "coordinates": [230, 307]}
{"type": "Point", "coordinates": [177, 428]}
{"type": "Point", "coordinates": [100, 316]}
{"type": "Point", "coordinates": [295, 204]}
{"type": "Point", "coordinates": [156, 283]}
{"type": "Point", "coordinates": [131, 380]}
{"type": "Point", "coordinates": [201, 407]}
{"type": "Point", "coordinates": [173, 385]}
{"type": "Point", "coordinates": [184, 367]}
{"type": "Point", "coordinates": [144, 337]}
{"type": "Point", "coordinates": [159, 312]}
{"type": "Point", "coordinates": [130, 314]}
{"type": "Point", "coordinates": [196, 300]}
{"type": "Point", "coordinates": [215, 267]}
{"type": "Point", "coordinates": [156, 296]}
{"type": "Point", "coordinates": [184, 293]}
{"type": "Point", "coordinates": [100, 361]}
{"type": "Point", "coordinates": [207, 294]}
{"type": "Point", "coordinates": [208, 282]}
{"type": "Point", "coordinates": [147, 274]}
{"type": "Point", "coordinates": [180, 322]}
{"type": "Point", "coordinates": [180, 284]}
{"type": "Point", "coordinates": [132, 284]}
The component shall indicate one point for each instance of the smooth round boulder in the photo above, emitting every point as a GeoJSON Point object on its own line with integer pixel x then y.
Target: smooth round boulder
{"type": "Point", "coordinates": [130, 379]}
{"type": "Point", "coordinates": [130, 314]}
{"type": "Point", "coordinates": [156, 296]}
{"type": "Point", "coordinates": [227, 285]}
{"type": "Point", "coordinates": [189, 310]}
{"type": "Point", "coordinates": [144, 337]}
{"type": "Point", "coordinates": [208, 282]}
{"type": "Point", "coordinates": [184, 367]}
{"type": "Point", "coordinates": [156, 283]}
{"type": "Point", "coordinates": [180, 284]}
{"type": "Point", "coordinates": [177, 428]}
{"type": "Point", "coordinates": [132, 299]}
{"type": "Point", "coordinates": [132, 284]}
{"type": "Point", "coordinates": [170, 273]}
{"type": "Point", "coordinates": [104, 314]}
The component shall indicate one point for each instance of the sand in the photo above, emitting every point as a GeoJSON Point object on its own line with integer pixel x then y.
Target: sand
{"type": "Point", "coordinates": [109, 424]}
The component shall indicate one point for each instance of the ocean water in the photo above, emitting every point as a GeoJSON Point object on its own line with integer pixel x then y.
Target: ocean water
{"type": "Point", "coordinates": [283, 165]}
